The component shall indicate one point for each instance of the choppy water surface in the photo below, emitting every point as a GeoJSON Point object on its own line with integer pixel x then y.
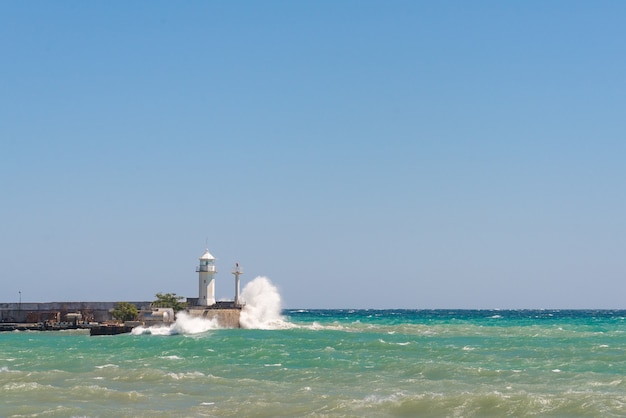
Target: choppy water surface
{"type": "Point", "coordinates": [329, 363]}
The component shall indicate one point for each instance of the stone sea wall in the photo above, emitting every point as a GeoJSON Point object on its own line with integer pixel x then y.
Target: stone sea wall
{"type": "Point", "coordinates": [57, 311]}
{"type": "Point", "coordinates": [30, 312]}
{"type": "Point", "coordinates": [227, 317]}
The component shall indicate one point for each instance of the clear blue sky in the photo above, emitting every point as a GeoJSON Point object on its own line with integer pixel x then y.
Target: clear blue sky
{"type": "Point", "coordinates": [360, 154]}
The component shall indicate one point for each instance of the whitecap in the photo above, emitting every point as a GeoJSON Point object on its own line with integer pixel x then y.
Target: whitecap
{"type": "Point", "coordinates": [180, 376]}
{"type": "Point", "coordinates": [378, 399]}
{"type": "Point", "coordinates": [611, 383]}
{"type": "Point", "coordinates": [23, 386]}
{"type": "Point", "coordinates": [316, 326]}
{"type": "Point", "coordinates": [104, 366]}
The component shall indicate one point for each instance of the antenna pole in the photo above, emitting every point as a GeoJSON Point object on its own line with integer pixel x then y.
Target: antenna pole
{"type": "Point", "coordinates": [237, 271]}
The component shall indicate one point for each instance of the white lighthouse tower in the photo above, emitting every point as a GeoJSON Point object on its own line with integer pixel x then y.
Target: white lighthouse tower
{"type": "Point", "coordinates": [206, 279]}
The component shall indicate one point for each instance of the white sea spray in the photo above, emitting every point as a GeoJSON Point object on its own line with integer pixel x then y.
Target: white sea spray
{"type": "Point", "coordinates": [262, 308]}
{"type": "Point", "coordinates": [184, 324]}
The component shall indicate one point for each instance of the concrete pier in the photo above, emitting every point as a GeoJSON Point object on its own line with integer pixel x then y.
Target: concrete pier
{"type": "Point", "coordinates": [226, 316]}
{"type": "Point", "coordinates": [59, 312]}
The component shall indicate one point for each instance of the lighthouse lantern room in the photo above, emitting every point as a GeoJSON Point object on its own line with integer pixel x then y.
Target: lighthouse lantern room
{"type": "Point", "coordinates": [206, 279]}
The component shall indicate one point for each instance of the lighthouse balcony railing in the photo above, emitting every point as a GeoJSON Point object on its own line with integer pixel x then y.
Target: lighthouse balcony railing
{"type": "Point", "coordinates": [205, 268]}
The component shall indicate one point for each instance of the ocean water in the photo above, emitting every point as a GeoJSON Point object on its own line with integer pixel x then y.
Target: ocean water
{"type": "Point", "coordinates": [326, 363]}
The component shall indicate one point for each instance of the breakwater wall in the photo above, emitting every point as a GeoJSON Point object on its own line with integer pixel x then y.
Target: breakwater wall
{"type": "Point", "coordinates": [226, 313]}
{"type": "Point", "coordinates": [34, 312]}
{"type": "Point", "coordinates": [226, 317]}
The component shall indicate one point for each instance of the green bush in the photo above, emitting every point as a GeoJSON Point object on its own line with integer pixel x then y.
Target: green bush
{"type": "Point", "coordinates": [169, 300]}
{"type": "Point", "coordinates": [125, 311]}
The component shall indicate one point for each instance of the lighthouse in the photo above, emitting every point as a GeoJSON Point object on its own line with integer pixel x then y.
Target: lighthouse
{"type": "Point", "coordinates": [206, 279]}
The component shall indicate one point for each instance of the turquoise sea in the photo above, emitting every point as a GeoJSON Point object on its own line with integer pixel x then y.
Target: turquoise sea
{"type": "Point", "coordinates": [329, 363]}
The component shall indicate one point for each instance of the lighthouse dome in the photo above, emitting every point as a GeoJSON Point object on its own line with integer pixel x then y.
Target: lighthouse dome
{"type": "Point", "coordinates": [207, 256]}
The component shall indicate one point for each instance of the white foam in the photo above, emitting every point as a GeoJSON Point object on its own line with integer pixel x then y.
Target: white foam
{"type": "Point", "coordinates": [188, 375]}
{"type": "Point", "coordinates": [104, 366]}
{"type": "Point", "coordinates": [185, 324]}
{"type": "Point", "coordinates": [262, 308]}
{"type": "Point", "coordinates": [316, 326]}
